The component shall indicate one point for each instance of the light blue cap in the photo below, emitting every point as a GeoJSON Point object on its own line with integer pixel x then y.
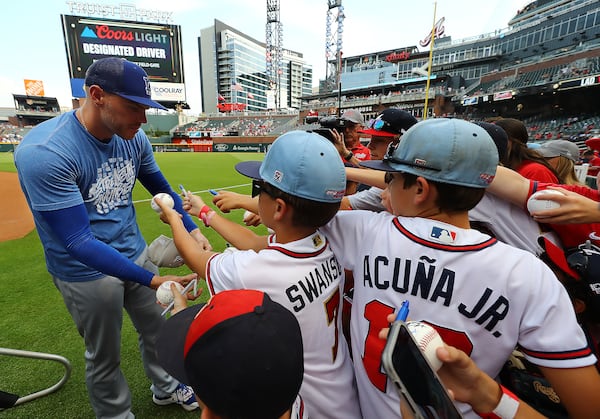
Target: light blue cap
{"type": "Point", "coordinates": [444, 150]}
{"type": "Point", "coordinates": [302, 164]}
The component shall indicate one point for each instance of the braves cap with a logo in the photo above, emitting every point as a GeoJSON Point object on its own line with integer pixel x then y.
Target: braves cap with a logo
{"type": "Point", "coordinates": [390, 122]}
{"type": "Point", "coordinates": [123, 78]}
{"type": "Point", "coordinates": [443, 150]}
{"type": "Point", "coordinates": [241, 353]}
{"type": "Point", "coordinates": [302, 164]}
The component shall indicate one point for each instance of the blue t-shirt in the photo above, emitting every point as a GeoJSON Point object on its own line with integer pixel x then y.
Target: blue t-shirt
{"type": "Point", "coordinates": [61, 165]}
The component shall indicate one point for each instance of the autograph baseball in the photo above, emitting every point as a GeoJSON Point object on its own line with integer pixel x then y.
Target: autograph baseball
{"type": "Point", "coordinates": [164, 294]}
{"type": "Point", "coordinates": [165, 198]}
{"type": "Point", "coordinates": [428, 340]}
{"type": "Point", "coordinates": [534, 203]}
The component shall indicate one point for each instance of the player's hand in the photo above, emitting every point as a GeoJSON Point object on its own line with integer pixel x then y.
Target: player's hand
{"type": "Point", "coordinates": [252, 220]}
{"type": "Point", "coordinates": [227, 200]}
{"type": "Point", "coordinates": [181, 301]}
{"type": "Point", "coordinates": [167, 214]}
{"type": "Point", "coordinates": [574, 209]}
{"type": "Point", "coordinates": [192, 204]}
{"type": "Point", "coordinates": [201, 239]}
{"type": "Point", "coordinates": [183, 280]}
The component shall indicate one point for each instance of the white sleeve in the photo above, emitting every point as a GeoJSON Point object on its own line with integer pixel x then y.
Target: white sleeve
{"type": "Point", "coordinates": [550, 335]}
{"type": "Point", "coordinates": [369, 199]}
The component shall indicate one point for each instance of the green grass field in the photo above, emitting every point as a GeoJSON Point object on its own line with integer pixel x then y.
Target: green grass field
{"type": "Point", "coordinates": [34, 317]}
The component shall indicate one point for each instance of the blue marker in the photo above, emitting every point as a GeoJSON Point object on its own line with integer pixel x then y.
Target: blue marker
{"type": "Point", "coordinates": [212, 191]}
{"type": "Point", "coordinates": [183, 190]}
{"type": "Point", "coordinates": [403, 311]}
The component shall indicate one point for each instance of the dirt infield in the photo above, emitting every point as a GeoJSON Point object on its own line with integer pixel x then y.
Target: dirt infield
{"type": "Point", "coordinates": [16, 220]}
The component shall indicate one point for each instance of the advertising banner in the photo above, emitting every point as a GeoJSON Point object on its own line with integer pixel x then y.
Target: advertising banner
{"type": "Point", "coordinates": [153, 46]}
{"type": "Point", "coordinates": [34, 87]}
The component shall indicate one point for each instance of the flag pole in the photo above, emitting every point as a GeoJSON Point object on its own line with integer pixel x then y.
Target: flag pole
{"type": "Point", "coordinates": [430, 62]}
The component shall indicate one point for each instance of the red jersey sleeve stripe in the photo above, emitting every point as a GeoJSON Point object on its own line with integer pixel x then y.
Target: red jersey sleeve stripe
{"type": "Point", "coordinates": [579, 353]}
{"type": "Point", "coordinates": [211, 287]}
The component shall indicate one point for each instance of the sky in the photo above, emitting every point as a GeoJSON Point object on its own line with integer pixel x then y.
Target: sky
{"type": "Point", "coordinates": [33, 45]}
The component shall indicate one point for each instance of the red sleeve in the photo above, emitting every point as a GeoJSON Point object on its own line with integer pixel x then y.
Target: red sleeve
{"type": "Point", "coordinates": [535, 171]}
{"type": "Point", "coordinates": [590, 193]}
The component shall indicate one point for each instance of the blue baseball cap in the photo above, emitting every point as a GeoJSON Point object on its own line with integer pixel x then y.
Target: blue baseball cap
{"type": "Point", "coordinates": [443, 150]}
{"type": "Point", "coordinates": [302, 164]}
{"type": "Point", "coordinates": [123, 78]}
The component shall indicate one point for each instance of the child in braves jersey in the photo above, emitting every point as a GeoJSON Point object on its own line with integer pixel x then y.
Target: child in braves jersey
{"type": "Point", "coordinates": [300, 184]}
{"type": "Point", "coordinates": [483, 296]}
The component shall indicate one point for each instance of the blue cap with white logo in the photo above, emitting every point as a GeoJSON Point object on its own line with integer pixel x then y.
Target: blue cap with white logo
{"type": "Point", "coordinates": [443, 150]}
{"type": "Point", "coordinates": [302, 164]}
{"type": "Point", "coordinates": [123, 78]}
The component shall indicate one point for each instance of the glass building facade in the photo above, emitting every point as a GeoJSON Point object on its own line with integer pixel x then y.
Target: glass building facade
{"type": "Point", "coordinates": [233, 70]}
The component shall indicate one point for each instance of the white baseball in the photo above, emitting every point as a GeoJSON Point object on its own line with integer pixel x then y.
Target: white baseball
{"type": "Point", "coordinates": [164, 294]}
{"type": "Point", "coordinates": [165, 198]}
{"type": "Point", "coordinates": [428, 340]}
{"type": "Point", "coordinates": [247, 215]}
{"type": "Point", "coordinates": [534, 203]}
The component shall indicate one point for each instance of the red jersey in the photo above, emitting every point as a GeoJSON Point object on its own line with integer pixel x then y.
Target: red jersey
{"type": "Point", "coordinates": [361, 152]}
{"type": "Point", "coordinates": [536, 171]}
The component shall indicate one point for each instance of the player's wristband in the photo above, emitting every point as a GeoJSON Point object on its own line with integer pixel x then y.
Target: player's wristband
{"type": "Point", "coordinates": [349, 156]}
{"type": "Point", "coordinates": [507, 406]}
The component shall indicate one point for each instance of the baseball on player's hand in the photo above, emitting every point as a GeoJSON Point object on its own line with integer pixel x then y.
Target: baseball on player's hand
{"type": "Point", "coordinates": [428, 340]}
{"type": "Point", "coordinates": [164, 294]}
{"type": "Point", "coordinates": [163, 197]}
{"type": "Point", "coordinates": [536, 203]}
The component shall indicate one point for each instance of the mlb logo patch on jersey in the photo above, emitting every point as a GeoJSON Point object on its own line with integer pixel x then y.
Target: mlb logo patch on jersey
{"type": "Point", "coordinates": [443, 234]}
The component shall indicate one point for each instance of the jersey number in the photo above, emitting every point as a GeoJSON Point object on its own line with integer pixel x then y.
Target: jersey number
{"type": "Point", "coordinates": [376, 313]}
{"type": "Point", "coordinates": [332, 309]}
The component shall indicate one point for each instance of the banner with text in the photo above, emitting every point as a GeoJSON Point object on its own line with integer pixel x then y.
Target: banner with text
{"type": "Point", "coordinates": [153, 46]}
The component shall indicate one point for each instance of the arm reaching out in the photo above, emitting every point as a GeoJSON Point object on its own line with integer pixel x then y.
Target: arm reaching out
{"type": "Point", "coordinates": [510, 186]}
{"type": "Point", "coordinates": [239, 236]}
{"type": "Point", "coordinates": [226, 201]}
{"type": "Point", "coordinates": [574, 208]}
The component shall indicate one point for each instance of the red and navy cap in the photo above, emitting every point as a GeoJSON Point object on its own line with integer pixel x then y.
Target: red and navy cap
{"type": "Point", "coordinates": [390, 122]}
{"type": "Point", "coordinates": [241, 352]}
{"type": "Point", "coordinates": [557, 256]}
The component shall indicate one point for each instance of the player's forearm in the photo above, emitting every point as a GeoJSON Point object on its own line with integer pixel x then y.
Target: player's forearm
{"type": "Point", "coordinates": [368, 177]}
{"type": "Point", "coordinates": [510, 186]}
{"type": "Point", "coordinates": [238, 236]}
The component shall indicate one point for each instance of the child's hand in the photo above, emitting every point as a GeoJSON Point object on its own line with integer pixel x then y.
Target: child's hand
{"type": "Point", "coordinates": [167, 214]}
{"type": "Point", "coordinates": [192, 204]}
{"type": "Point", "coordinates": [226, 200]}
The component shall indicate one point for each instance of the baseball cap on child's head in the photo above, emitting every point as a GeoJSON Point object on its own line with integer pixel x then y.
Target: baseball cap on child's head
{"type": "Point", "coordinates": [390, 122]}
{"type": "Point", "coordinates": [123, 78]}
{"type": "Point", "coordinates": [302, 164]}
{"type": "Point", "coordinates": [241, 352]}
{"type": "Point", "coordinates": [560, 148]}
{"type": "Point", "coordinates": [443, 150]}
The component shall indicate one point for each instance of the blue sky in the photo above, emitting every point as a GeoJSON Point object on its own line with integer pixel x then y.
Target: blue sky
{"type": "Point", "coordinates": [33, 45]}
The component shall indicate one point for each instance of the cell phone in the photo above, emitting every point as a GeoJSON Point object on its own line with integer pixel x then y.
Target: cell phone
{"type": "Point", "coordinates": [413, 376]}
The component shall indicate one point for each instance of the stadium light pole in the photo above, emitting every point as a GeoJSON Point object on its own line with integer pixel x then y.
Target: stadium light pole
{"type": "Point", "coordinates": [430, 61]}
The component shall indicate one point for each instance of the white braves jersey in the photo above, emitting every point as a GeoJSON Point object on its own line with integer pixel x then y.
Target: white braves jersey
{"type": "Point", "coordinates": [509, 223]}
{"type": "Point", "coordinates": [305, 277]}
{"type": "Point", "coordinates": [483, 296]}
